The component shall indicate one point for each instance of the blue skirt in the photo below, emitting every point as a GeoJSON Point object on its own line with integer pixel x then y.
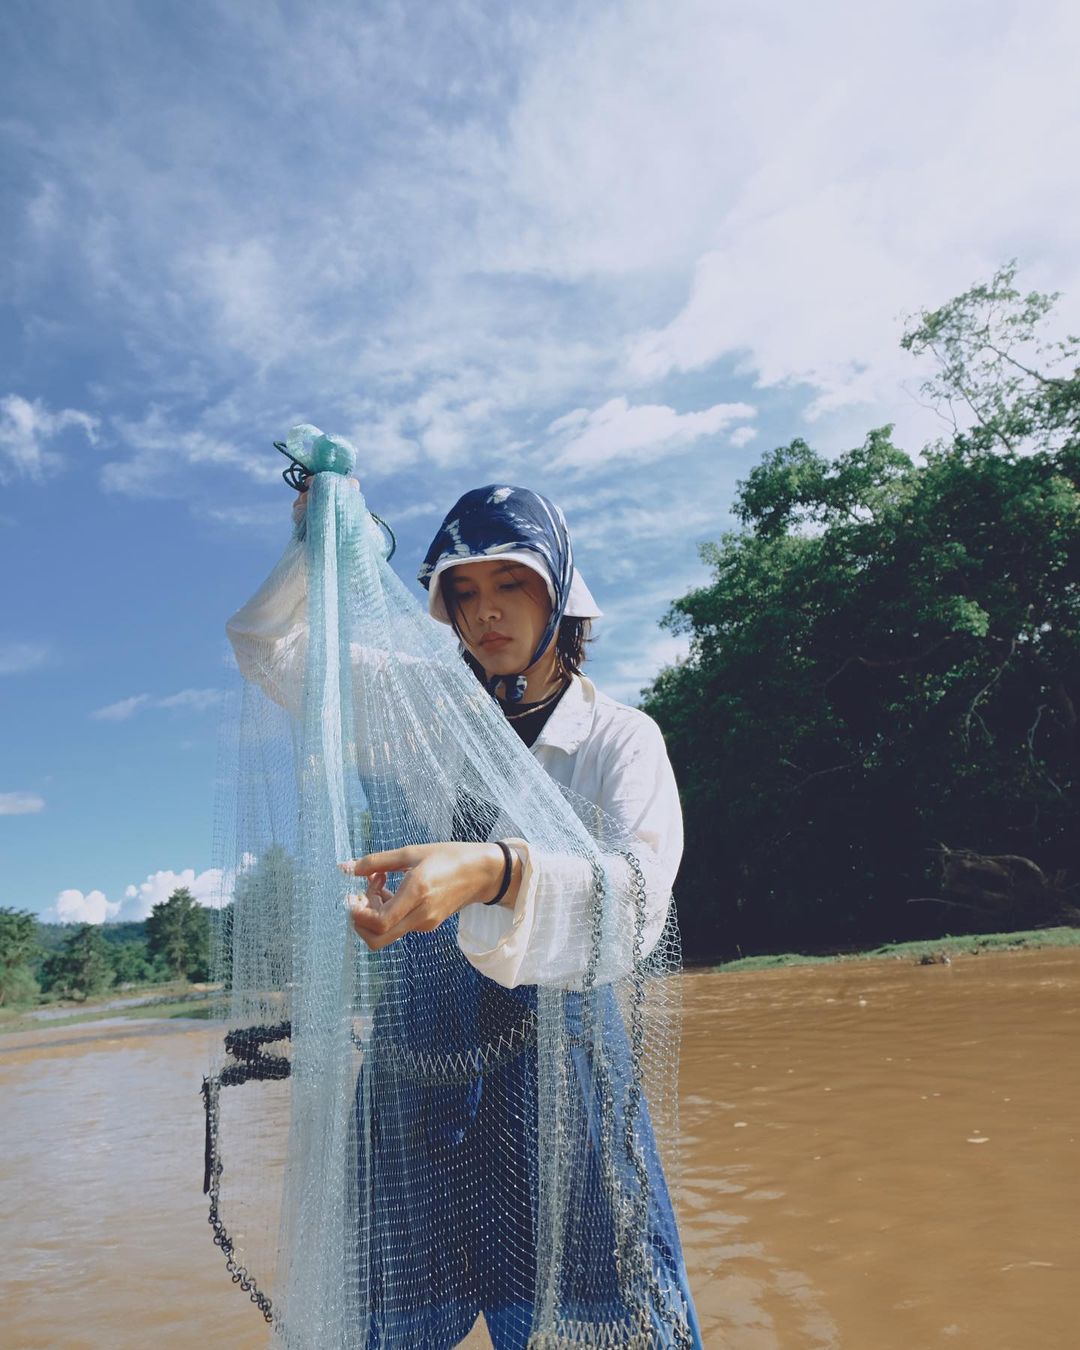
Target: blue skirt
{"type": "Point", "coordinates": [448, 1167]}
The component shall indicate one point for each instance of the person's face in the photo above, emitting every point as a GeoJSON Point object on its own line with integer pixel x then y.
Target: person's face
{"type": "Point", "coordinates": [501, 611]}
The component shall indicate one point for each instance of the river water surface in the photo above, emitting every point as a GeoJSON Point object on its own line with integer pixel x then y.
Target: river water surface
{"type": "Point", "coordinates": [877, 1155]}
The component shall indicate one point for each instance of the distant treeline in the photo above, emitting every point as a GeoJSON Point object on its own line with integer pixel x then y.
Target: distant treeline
{"type": "Point", "coordinates": [42, 962]}
{"type": "Point", "coordinates": [875, 731]}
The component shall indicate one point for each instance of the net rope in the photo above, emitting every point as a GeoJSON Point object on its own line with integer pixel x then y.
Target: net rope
{"type": "Point", "coordinates": [397, 1143]}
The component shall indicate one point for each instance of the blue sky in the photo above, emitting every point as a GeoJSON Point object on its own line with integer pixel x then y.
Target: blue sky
{"type": "Point", "coordinates": [611, 251]}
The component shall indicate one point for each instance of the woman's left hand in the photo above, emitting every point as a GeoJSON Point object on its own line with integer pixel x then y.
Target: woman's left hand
{"type": "Point", "coordinates": [439, 880]}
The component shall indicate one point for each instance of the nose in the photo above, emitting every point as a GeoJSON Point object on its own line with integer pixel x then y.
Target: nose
{"type": "Point", "coordinates": [488, 608]}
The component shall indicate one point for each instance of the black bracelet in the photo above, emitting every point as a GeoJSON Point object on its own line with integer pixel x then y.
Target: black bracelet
{"type": "Point", "coordinates": [508, 871]}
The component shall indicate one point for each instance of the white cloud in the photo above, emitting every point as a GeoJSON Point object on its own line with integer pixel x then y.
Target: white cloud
{"type": "Point", "coordinates": [266, 516]}
{"type": "Point", "coordinates": [122, 710]}
{"type": "Point", "coordinates": [20, 803]}
{"type": "Point", "coordinates": [27, 432]}
{"type": "Point", "coordinates": [206, 887]}
{"type": "Point", "coordinates": [17, 657]}
{"type": "Point", "coordinates": [603, 196]}
{"type": "Point", "coordinates": [242, 284]}
{"type": "Point", "coordinates": [196, 700]}
{"type": "Point", "coordinates": [618, 532]}
{"type": "Point", "coordinates": [211, 888]}
{"type": "Point", "coordinates": [855, 208]}
{"type": "Point", "coordinates": [763, 182]}
{"type": "Point", "coordinates": [648, 431]}
{"type": "Point", "coordinates": [162, 455]}
{"type": "Point", "coordinates": [622, 150]}
{"type": "Point", "coordinates": [742, 436]}
{"type": "Point", "coordinates": [72, 906]}
{"type": "Point", "coordinates": [424, 510]}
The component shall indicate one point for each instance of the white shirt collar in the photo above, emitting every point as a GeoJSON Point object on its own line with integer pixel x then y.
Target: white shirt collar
{"type": "Point", "coordinates": [572, 719]}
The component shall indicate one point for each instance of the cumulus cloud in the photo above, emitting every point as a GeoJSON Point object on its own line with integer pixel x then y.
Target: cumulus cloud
{"type": "Point", "coordinates": [206, 887]}
{"type": "Point", "coordinates": [72, 906]}
{"type": "Point", "coordinates": [617, 431]}
{"type": "Point", "coordinates": [20, 803]}
{"type": "Point", "coordinates": [742, 436]}
{"type": "Point", "coordinates": [17, 657]}
{"type": "Point", "coordinates": [28, 430]}
{"type": "Point", "coordinates": [212, 888]}
{"type": "Point", "coordinates": [195, 700]}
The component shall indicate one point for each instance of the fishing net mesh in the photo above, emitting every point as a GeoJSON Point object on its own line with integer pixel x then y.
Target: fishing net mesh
{"type": "Point", "coordinates": [396, 1143]}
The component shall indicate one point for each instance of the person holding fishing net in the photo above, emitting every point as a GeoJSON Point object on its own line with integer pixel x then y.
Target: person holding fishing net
{"type": "Point", "coordinates": [452, 908]}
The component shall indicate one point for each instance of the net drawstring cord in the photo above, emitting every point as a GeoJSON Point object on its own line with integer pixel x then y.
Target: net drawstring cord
{"type": "Point", "coordinates": [299, 479]}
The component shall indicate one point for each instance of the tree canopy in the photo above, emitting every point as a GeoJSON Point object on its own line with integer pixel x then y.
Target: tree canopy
{"type": "Point", "coordinates": [49, 960]}
{"type": "Point", "coordinates": [81, 966]}
{"type": "Point", "coordinates": [18, 931]}
{"type": "Point", "coordinates": [885, 667]}
{"type": "Point", "coordinates": [178, 933]}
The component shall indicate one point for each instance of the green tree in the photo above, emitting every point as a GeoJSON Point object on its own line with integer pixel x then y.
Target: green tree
{"type": "Point", "coordinates": [262, 904]}
{"type": "Point", "coordinates": [178, 932]}
{"type": "Point", "coordinates": [988, 347]}
{"type": "Point", "coordinates": [132, 964]}
{"type": "Point", "coordinates": [887, 660]}
{"type": "Point", "coordinates": [17, 944]}
{"type": "Point", "coordinates": [81, 966]}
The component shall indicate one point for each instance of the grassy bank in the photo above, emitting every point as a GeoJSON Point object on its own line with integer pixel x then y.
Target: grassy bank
{"type": "Point", "coordinates": [175, 999]}
{"type": "Point", "coordinates": [179, 999]}
{"type": "Point", "coordinates": [936, 948]}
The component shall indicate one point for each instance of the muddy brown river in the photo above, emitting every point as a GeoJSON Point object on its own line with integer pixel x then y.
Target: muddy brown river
{"type": "Point", "coordinates": [877, 1155]}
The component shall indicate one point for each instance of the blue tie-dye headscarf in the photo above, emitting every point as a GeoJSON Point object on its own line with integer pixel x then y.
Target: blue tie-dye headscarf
{"type": "Point", "coordinates": [491, 520]}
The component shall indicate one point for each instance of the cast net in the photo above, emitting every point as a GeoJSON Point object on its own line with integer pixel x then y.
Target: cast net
{"type": "Point", "coordinates": [398, 1143]}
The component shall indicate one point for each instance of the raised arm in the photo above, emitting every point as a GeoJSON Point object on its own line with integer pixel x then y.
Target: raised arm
{"type": "Point", "coordinates": [269, 633]}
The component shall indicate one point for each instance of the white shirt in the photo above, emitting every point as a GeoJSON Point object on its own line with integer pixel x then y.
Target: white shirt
{"type": "Point", "coordinates": [613, 756]}
{"type": "Point", "coordinates": [605, 752]}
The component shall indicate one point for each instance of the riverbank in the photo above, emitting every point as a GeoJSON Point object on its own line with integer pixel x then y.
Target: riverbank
{"type": "Point", "coordinates": [930, 951]}
{"type": "Point", "coordinates": [179, 999]}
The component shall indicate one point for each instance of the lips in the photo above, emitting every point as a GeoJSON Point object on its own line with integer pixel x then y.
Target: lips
{"type": "Point", "coordinates": [494, 640]}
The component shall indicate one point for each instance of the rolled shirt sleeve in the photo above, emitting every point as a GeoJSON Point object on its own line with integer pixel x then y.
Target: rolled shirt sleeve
{"type": "Point", "coordinates": [548, 937]}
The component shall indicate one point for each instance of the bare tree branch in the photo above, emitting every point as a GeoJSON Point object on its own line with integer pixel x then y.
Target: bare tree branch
{"type": "Point", "coordinates": [966, 727]}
